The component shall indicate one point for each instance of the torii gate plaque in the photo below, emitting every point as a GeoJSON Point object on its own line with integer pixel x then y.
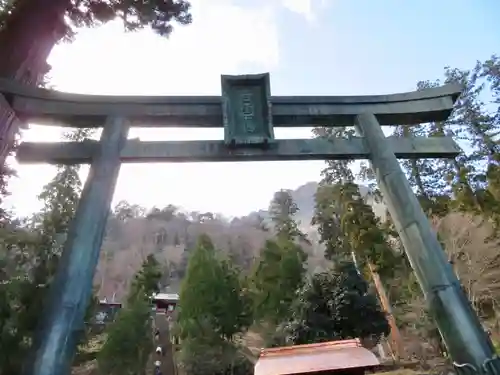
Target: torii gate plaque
{"type": "Point", "coordinates": [246, 110]}
{"type": "Point", "coordinates": [248, 114]}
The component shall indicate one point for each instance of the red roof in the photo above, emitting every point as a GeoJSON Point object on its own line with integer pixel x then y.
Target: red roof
{"type": "Point", "coordinates": [326, 356]}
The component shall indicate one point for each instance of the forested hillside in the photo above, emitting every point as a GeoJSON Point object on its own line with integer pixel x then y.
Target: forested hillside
{"type": "Point", "coordinates": [169, 233]}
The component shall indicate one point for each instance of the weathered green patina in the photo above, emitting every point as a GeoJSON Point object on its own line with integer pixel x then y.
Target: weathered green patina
{"type": "Point", "coordinates": [468, 344]}
{"type": "Point", "coordinates": [248, 114]}
{"type": "Point", "coordinates": [246, 110]}
{"type": "Point", "coordinates": [136, 151]}
{"type": "Point", "coordinates": [52, 108]}
{"type": "Point", "coordinates": [72, 287]}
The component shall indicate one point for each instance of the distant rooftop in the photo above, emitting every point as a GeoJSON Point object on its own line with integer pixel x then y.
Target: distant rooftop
{"type": "Point", "coordinates": [166, 296]}
{"type": "Point", "coordinates": [326, 356]}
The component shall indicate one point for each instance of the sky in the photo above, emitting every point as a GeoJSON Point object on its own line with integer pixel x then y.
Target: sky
{"type": "Point", "coordinates": [310, 47]}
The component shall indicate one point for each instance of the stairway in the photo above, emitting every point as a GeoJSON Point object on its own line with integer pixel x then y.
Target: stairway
{"type": "Point", "coordinates": [167, 360]}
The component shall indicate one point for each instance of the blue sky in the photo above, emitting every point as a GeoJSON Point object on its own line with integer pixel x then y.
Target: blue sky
{"type": "Point", "coordinates": [311, 47]}
{"type": "Point", "coordinates": [382, 46]}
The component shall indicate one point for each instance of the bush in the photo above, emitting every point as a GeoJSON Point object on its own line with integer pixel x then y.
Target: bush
{"type": "Point", "coordinates": [332, 306]}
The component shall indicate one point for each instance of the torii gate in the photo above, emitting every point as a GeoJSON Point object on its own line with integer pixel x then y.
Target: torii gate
{"type": "Point", "coordinates": [248, 114]}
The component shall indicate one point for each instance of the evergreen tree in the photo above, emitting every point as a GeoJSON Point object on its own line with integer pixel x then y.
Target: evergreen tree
{"type": "Point", "coordinates": [200, 356]}
{"type": "Point", "coordinates": [275, 279]}
{"type": "Point", "coordinates": [33, 252]}
{"type": "Point", "coordinates": [327, 219]}
{"type": "Point", "coordinates": [470, 178]}
{"type": "Point", "coordinates": [336, 171]}
{"type": "Point", "coordinates": [211, 295]}
{"type": "Point", "coordinates": [280, 268]}
{"type": "Point", "coordinates": [129, 341]}
{"type": "Point", "coordinates": [425, 175]}
{"type": "Point", "coordinates": [477, 189]}
{"type": "Point", "coordinates": [282, 211]}
{"type": "Point", "coordinates": [489, 128]}
{"type": "Point", "coordinates": [147, 279]}
{"type": "Point", "coordinates": [346, 223]}
{"type": "Point", "coordinates": [213, 309]}
{"type": "Point", "coordinates": [334, 306]}
{"type": "Point", "coordinates": [363, 231]}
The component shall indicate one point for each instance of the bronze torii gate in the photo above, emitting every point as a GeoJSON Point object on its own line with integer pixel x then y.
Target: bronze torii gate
{"type": "Point", "coordinates": [248, 114]}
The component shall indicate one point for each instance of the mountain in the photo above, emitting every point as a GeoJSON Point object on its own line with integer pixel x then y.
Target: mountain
{"type": "Point", "coordinates": [303, 196]}
{"type": "Point", "coordinates": [170, 234]}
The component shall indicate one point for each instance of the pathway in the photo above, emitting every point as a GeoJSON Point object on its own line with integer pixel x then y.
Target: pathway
{"type": "Point", "coordinates": [167, 361]}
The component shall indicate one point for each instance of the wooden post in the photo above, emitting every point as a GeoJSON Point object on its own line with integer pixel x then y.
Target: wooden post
{"type": "Point", "coordinates": [397, 341]}
{"type": "Point", "coordinates": [9, 125]}
{"type": "Point", "coordinates": [71, 289]}
{"type": "Point", "coordinates": [469, 346]}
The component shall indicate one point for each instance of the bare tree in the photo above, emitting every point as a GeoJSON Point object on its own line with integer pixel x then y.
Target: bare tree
{"type": "Point", "coordinates": [475, 259]}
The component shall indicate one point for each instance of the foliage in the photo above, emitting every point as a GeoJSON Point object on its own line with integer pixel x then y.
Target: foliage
{"type": "Point", "coordinates": [135, 15]}
{"type": "Point", "coordinates": [217, 304]}
{"type": "Point", "coordinates": [166, 213]}
{"type": "Point", "coordinates": [26, 49]}
{"type": "Point", "coordinates": [129, 341]}
{"type": "Point", "coordinates": [335, 305]}
{"type": "Point", "coordinates": [124, 211]}
{"type": "Point", "coordinates": [326, 218]}
{"type": "Point", "coordinates": [6, 172]}
{"type": "Point", "coordinates": [147, 279]}
{"type": "Point", "coordinates": [30, 252]}
{"type": "Point", "coordinates": [279, 270]}
{"type": "Point", "coordinates": [474, 258]}
{"type": "Point", "coordinates": [463, 205]}
{"type": "Point", "coordinates": [277, 275]}
{"type": "Point", "coordinates": [470, 184]}
{"type": "Point", "coordinates": [424, 175]}
{"type": "Point", "coordinates": [200, 356]}
{"type": "Point", "coordinates": [282, 211]}
{"type": "Point", "coordinates": [211, 294]}
{"type": "Point", "coordinates": [213, 309]}
{"type": "Point", "coordinates": [347, 224]}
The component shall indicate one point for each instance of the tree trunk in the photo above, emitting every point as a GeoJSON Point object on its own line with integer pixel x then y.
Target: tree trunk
{"type": "Point", "coordinates": [398, 346]}
{"type": "Point", "coordinates": [27, 39]}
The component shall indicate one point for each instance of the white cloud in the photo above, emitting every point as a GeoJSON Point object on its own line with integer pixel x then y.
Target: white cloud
{"type": "Point", "coordinates": [303, 7]}
{"type": "Point", "coordinates": [222, 37]}
{"type": "Point", "coordinates": [307, 8]}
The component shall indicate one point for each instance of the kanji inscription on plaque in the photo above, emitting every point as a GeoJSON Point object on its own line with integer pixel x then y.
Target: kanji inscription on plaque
{"type": "Point", "coordinates": [246, 109]}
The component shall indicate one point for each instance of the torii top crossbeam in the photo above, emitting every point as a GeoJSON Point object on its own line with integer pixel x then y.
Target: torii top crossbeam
{"type": "Point", "coordinates": [51, 107]}
{"type": "Point", "coordinates": [246, 110]}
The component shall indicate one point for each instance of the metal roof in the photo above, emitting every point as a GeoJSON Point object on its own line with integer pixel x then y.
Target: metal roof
{"type": "Point", "coordinates": [166, 296]}
{"type": "Point", "coordinates": [326, 356]}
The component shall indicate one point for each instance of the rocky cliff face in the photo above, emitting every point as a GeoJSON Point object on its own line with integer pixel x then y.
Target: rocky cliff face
{"type": "Point", "coordinates": [304, 198]}
{"type": "Point", "coordinates": [129, 241]}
